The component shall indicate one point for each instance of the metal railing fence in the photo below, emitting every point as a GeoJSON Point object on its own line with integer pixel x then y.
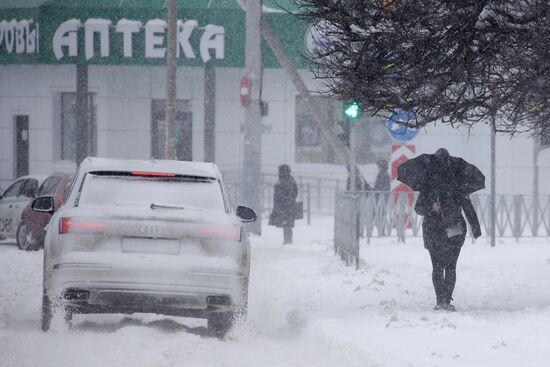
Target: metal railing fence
{"type": "Point", "coordinates": [392, 214]}
{"type": "Point", "coordinates": [317, 194]}
{"type": "Point", "coordinates": [387, 214]}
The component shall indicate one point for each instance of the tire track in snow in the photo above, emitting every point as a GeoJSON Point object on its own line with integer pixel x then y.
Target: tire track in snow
{"type": "Point", "coordinates": [266, 339]}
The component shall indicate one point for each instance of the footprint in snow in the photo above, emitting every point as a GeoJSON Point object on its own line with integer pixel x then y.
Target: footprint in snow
{"type": "Point", "coordinates": [500, 344]}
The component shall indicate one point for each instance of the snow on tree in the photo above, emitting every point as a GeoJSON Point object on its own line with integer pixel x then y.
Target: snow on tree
{"type": "Point", "coordinates": [456, 61]}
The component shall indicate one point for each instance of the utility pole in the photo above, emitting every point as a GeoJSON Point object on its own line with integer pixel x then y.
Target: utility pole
{"type": "Point", "coordinates": [536, 151]}
{"type": "Point", "coordinates": [493, 180]}
{"type": "Point", "coordinates": [172, 16]}
{"type": "Point", "coordinates": [209, 114]}
{"type": "Point", "coordinates": [252, 150]}
{"type": "Point", "coordinates": [83, 128]}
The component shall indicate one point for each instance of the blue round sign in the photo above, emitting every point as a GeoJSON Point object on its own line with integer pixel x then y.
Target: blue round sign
{"type": "Point", "coordinates": [400, 132]}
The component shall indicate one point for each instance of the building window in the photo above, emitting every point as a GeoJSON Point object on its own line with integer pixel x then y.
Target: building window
{"type": "Point", "coordinates": [69, 126]}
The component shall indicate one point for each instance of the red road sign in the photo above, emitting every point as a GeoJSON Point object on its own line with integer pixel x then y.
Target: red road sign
{"type": "Point", "coordinates": [245, 90]}
{"type": "Point", "coordinates": [400, 154]}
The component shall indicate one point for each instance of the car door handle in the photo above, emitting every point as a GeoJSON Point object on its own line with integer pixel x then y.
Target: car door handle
{"type": "Point", "coordinates": [11, 206]}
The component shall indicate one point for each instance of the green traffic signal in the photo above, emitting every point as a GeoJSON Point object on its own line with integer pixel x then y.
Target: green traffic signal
{"type": "Point", "coordinates": [352, 110]}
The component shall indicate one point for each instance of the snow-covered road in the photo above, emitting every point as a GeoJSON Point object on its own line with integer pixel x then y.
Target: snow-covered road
{"type": "Point", "coordinates": [306, 309]}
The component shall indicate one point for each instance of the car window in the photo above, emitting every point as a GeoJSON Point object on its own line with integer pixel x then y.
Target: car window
{"type": "Point", "coordinates": [30, 188]}
{"type": "Point", "coordinates": [49, 186]}
{"type": "Point", "coordinates": [122, 190]}
{"type": "Point", "coordinates": [15, 189]}
{"type": "Point", "coordinates": [43, 188]}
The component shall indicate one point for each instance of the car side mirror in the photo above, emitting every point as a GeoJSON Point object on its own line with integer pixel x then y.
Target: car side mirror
{"type": "Point", "coordinates": [43, 204]}
{"type": "Point", "coordinates": [246, 214]}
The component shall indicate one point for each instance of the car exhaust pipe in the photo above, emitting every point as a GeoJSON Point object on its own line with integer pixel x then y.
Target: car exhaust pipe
{"type": "Point", "coordinates": [218, 300]}
{"type": "Point", "coordinates": [76, 295]}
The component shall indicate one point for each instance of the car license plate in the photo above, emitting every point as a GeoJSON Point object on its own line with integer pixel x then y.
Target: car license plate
{"type": "Point", "coordinates": [151, 246]}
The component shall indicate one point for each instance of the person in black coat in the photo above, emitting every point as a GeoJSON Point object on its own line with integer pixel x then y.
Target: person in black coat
{"type": "Point", "coordinates": [383, 180]}
{"type": "Point", "coordinates": [444, 228]}
{"type": "Point", "coordinates": [284, 203]}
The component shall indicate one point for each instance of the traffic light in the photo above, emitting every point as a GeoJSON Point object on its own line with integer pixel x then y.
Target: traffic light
{"type": "Point", "coordinates": [352, 111]}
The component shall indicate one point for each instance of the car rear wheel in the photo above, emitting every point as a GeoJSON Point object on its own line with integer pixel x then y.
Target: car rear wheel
{"type": "Point", "coordinates": [47, 311]}
{"type": "Point", "coordinates": [220, 323]}
{"type": "Point", "coordinates": [24, 237]}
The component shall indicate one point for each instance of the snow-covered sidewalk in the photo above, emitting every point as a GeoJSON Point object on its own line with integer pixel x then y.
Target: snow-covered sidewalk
{"type": "Point", "coordinates": [385, 309]}
{"type": "Point", "coordinates": [307, 309]}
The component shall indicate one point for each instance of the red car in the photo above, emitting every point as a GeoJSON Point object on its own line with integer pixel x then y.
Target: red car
{"type": "Point", "coordinates": [30, 234]}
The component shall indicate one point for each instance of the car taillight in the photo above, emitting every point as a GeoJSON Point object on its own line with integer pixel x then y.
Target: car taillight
{"type": "Point", "coordinates": [221, 233]}
{"type": "Point", "coordinates": [153, 174]}
{"type": "Point", "coordinates": [71, 225]}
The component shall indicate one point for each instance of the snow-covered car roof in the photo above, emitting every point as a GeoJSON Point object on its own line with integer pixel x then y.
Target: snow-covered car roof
{"type": "Point", "coordinates": [201, 169]}
{"type": "Point", "coordinates": [39, 178]}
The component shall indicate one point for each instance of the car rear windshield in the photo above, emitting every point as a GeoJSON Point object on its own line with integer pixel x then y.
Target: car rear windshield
{"type": "Point", "coordinates": [122, 188]}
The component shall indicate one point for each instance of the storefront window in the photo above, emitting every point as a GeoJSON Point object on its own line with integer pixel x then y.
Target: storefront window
{"type": "Point", "coordinates": [373, 142]}
{"type": "Point", "coordinates": [69, 126]}
{"type": "Point", "coordinates": [311, 145]}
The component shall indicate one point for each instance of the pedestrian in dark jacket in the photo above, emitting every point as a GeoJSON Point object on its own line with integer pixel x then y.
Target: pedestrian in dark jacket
{"type": "Point", "coordinates": [284, 203]}
{"type": "Point", "coordinates": [382, 182]}
{"type": "Point", "coordinates": [444, 228]}
{"type": "Point", "coordinates": [382, 187]}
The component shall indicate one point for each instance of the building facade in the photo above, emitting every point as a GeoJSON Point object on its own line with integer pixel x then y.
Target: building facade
{"type": "Point", "coordinates": [40, 47]}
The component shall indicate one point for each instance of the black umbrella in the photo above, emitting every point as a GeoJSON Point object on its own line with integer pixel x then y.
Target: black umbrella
{"type": "Point", "coordinates": [426, 172]}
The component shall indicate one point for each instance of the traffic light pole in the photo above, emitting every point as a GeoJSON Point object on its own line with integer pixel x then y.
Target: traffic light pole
{"type": "Point", "coordinates": [353, 157]}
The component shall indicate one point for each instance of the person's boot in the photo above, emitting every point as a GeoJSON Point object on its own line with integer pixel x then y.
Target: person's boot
{"type": "Point", "coordinates": [440, 304]}
{"type": "Point", "coordinates": [449, 308]}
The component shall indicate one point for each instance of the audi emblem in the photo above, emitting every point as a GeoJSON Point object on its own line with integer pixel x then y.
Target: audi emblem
{"type": "Point", "coordinates": [152, 230]}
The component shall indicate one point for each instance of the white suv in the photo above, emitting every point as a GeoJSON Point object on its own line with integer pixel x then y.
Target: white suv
{"type": "Point", "coordinates": [146, 236]}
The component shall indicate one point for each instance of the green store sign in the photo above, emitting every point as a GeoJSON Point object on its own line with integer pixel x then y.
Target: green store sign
{"type": "Point", "coordinates": [69, 32]}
